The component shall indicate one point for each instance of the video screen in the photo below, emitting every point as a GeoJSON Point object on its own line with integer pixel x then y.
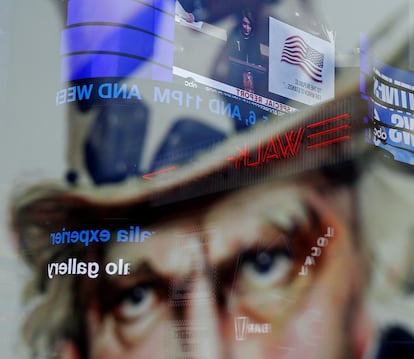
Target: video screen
{"type": "Point", "coordinates": [185, 42]}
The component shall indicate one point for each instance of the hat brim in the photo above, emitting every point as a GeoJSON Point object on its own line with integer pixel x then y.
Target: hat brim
{"type": "Point", "coordinates": [46, 206]}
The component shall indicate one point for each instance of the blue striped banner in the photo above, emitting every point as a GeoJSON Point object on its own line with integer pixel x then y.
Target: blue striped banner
{"type": "Point", "coordinates": [104, 38]}
{"type": "Point", "coordinates": [126, 13]}
{"type": "Point", "coordinates": [82, 66]}
{"type": "Point", "coordinates": [108, 38]}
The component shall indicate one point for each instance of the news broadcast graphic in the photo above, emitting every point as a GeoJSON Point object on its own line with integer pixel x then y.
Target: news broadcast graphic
{"type": "Point", "coordinates": [389, 92]}
{"type": "Point", "coordinates": [241, 70]}
{"type": "Point", "coordinates": [301, 65]}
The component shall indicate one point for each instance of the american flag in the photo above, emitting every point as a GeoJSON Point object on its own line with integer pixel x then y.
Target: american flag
{"type": "Point", "coordinates": [297, 52]}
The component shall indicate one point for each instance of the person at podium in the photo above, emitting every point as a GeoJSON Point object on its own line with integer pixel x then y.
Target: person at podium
{"type": "Point", "coordinates": [244, 54]}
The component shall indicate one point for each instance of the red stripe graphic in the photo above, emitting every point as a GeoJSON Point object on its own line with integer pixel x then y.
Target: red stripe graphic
{"type": "Point", "coordinates": [336, 132]}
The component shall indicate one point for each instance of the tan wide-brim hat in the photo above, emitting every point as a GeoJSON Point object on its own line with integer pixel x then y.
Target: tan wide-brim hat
{"type": "Point", "coordinates": [321, 138]}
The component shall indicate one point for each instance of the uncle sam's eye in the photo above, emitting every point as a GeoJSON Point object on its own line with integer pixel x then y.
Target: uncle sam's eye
{"type": "Point", "coordinates": [136, 302]}
{"type": "Point", "coordinates": [265, 268]}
